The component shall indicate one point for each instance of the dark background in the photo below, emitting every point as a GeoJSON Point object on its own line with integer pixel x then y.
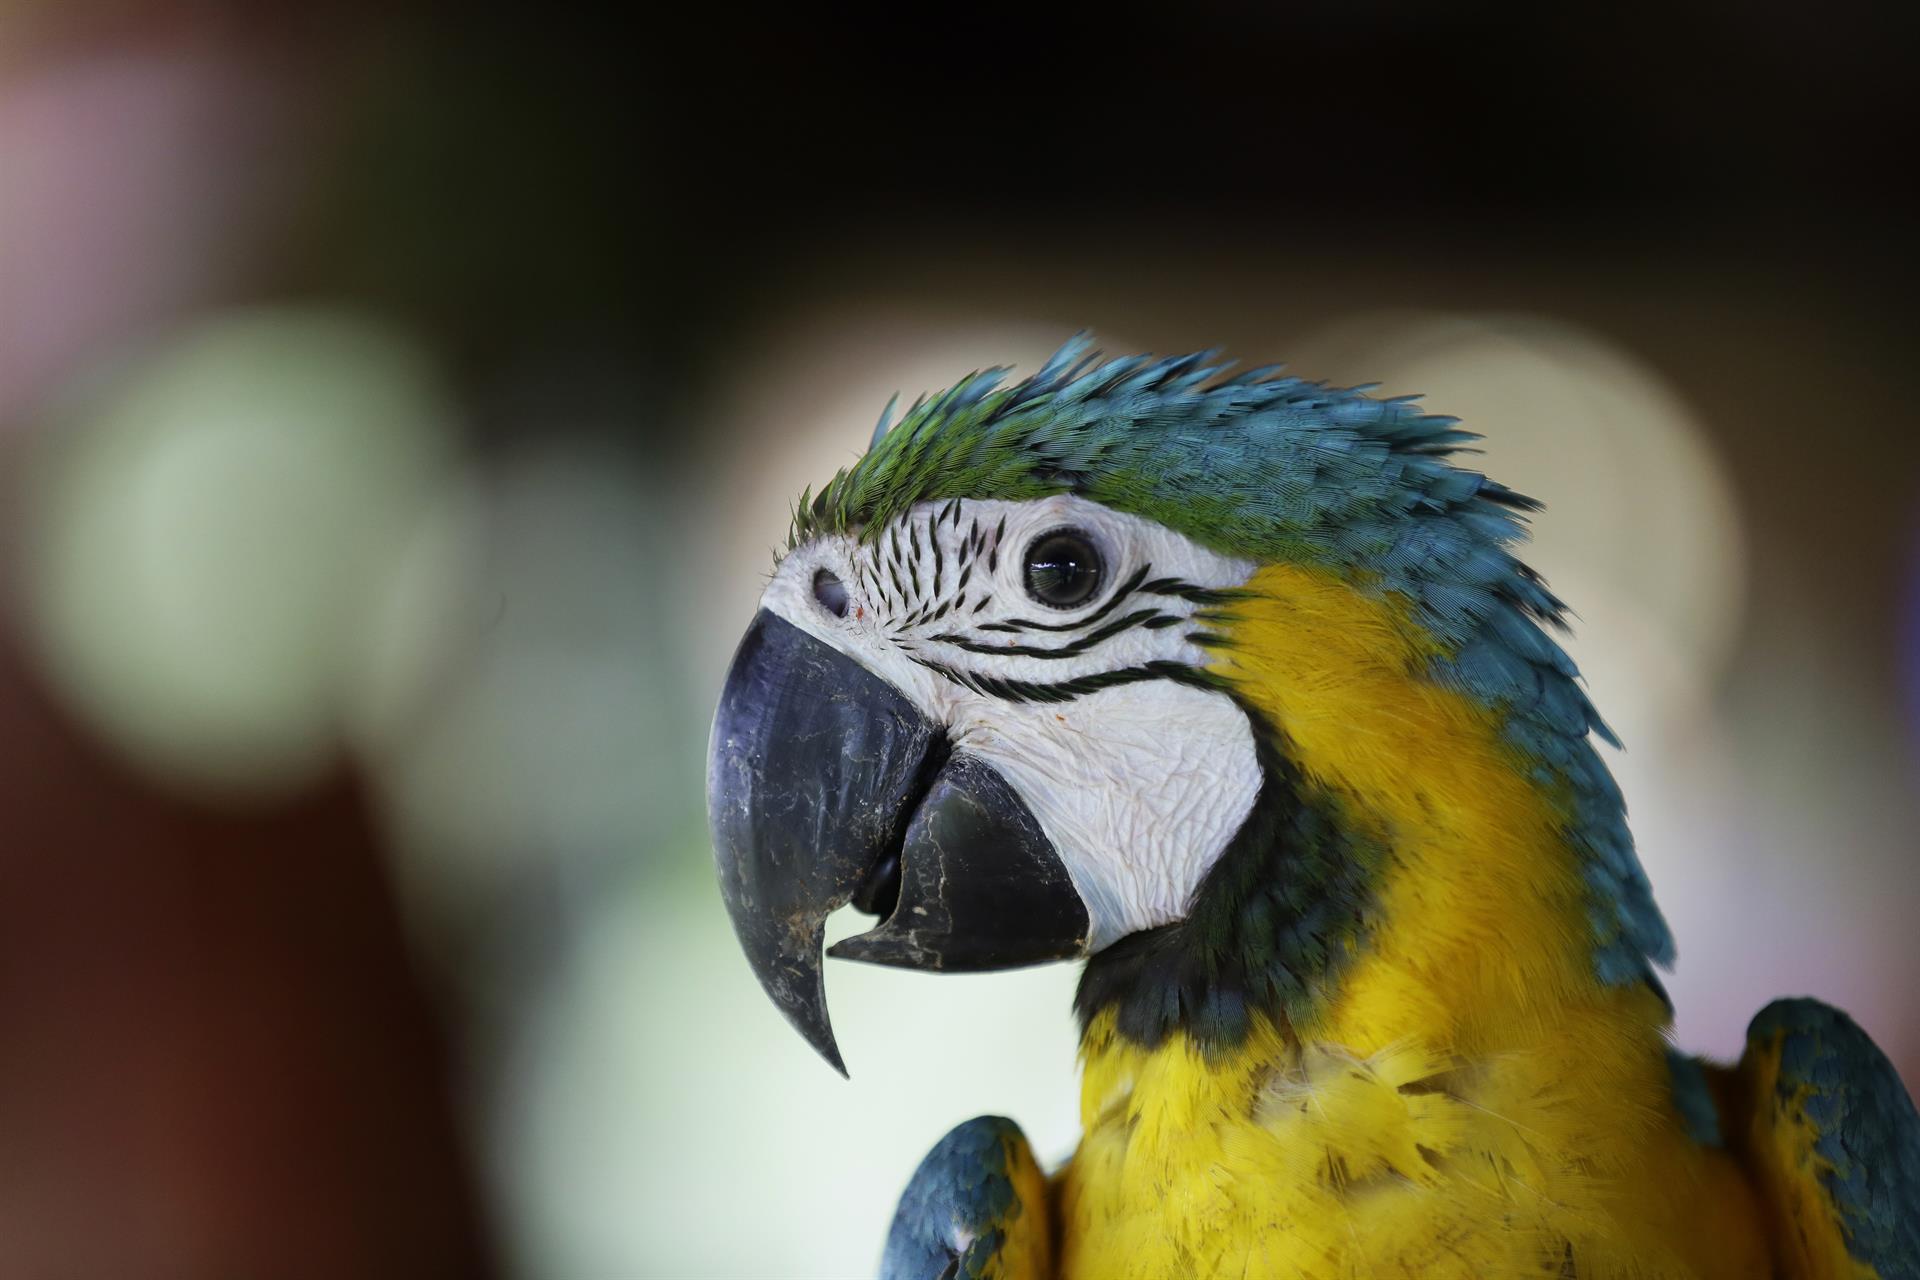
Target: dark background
{"type": "Point", "coordinates": [237, 1035]}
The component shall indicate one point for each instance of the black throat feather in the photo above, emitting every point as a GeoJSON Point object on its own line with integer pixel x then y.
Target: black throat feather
{"type": "Point", "coordinates": [1274, 923]}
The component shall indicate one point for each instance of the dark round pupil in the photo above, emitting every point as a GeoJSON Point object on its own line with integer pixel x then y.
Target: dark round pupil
{"type": "Point", "coordinates": [830, 592]}
{"type": "Point", "coordinates": [1063, 570]}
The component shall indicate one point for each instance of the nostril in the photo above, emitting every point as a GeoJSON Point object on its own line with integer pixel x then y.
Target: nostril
{"type": "Point", "coordinates": [830, 592]}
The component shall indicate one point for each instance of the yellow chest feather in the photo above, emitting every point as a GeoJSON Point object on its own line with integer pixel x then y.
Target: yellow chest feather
{"type": "Point", "coordinates": [1313, 1161]}
{"type": "Point", "coordinates": [1471, 1102]}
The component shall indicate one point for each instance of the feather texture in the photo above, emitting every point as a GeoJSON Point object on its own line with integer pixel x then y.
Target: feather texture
{"type": "Point", "coordinates": [1410, 1024]}
{"type": "Point", "coordinates": [1281, 470]}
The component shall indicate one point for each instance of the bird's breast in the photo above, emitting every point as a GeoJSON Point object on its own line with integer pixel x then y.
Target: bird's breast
{"type": "Point", "coordinates": [1313, 1160]}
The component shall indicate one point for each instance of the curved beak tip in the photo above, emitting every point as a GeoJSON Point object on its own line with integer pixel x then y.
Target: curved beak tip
{"type": "Point", "coordinates": [810, 1020]}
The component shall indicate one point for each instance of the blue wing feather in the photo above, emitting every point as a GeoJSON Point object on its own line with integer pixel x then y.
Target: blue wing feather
{"type": "Point", "coordinates": [1867, 1132]}
{"type": "Point", "coordinates": [958, 1214]}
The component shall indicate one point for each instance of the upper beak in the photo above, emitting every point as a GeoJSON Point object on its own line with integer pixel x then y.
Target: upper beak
{"type": "Point", "coordinates": [825, 786]}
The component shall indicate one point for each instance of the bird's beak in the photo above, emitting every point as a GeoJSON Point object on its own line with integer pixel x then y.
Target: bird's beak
{"type": "Point", "coordinates": [825, 786]}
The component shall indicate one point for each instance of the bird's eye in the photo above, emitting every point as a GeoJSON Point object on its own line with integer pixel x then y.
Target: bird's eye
{"type": "Point", "coordinates": [1063, 569]}
{"type": "Point", "coordinates": [830, 592]}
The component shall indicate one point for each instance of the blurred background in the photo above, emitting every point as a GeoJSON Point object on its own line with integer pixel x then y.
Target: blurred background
{"type": "Point", "coordinates": [399, 407]}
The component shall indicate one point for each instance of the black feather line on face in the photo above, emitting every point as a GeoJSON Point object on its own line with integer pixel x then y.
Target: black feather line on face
{"type": "Point", "coordinates": [896, 595]}
{"type": "Point", "coordinates": [1145, 617]}
{"type": "Point", "coordinates": [1190, 592]}
{"type": "Point", "coordinates": [1127, 588]}
{"type": "Point", "coordinates": [1065, 690]}
{"type": "Point", "coordinates": [933, 540]}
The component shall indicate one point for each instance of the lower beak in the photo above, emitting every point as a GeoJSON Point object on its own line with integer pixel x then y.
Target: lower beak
{"type": "Point", "coordinates": [825, 786]}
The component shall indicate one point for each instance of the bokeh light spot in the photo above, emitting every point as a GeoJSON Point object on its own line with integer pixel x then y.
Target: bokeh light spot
{"type": "Point", "coordinates": [207, 530]}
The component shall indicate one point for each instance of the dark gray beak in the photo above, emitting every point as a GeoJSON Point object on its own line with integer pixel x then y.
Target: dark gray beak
{"type": "Point", "coordinates": [825, 786]}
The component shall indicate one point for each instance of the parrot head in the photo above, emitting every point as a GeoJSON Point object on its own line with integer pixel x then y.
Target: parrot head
{"type": "Point", "coordinates": [1089, 665]}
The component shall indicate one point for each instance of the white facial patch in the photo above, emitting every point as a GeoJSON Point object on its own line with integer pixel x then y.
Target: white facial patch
{"type": "Point", "coordinates": [1138, 778]}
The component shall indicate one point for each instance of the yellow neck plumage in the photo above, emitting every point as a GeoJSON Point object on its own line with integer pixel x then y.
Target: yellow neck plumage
{"type": "Point", "coordinates": [1468, 1069]}
{"type": "Point", "coordinates": [1487, 909]}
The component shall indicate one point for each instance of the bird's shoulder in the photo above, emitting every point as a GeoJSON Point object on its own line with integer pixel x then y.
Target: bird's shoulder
{"type": "Point", "coordinates": [1834, 1143]}
{"type": "Point", "coordinates": [976, 1207]}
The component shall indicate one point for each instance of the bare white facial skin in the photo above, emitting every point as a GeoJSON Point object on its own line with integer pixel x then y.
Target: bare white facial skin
{"type": "Point", "coordinates": [1139, 784]}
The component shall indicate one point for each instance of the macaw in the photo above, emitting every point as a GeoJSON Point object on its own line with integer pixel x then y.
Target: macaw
{"type": "Point", "coordinates": [1234, 687]}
